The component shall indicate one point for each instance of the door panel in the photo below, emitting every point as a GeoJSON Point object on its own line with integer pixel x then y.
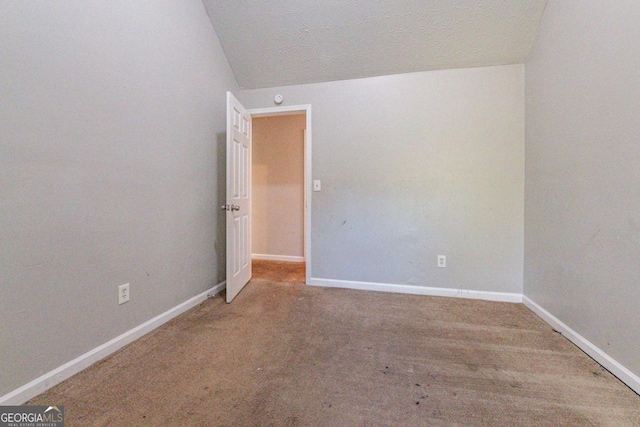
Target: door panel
{"type": "Point", "coordinates": [238, 207]}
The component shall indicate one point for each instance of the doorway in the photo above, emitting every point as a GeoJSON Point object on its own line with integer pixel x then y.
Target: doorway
{"type": "Point", "coordinates": [280, 192]}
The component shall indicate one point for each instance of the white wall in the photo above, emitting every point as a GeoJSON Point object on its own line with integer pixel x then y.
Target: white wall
{"type": "Point", "coordinates": [277, 192]}
{"type": "Point", "coordinates": [112, 121]}
{"type": "Point", "coordinates": [582, 224]}
{"type": "Point", "coordinates": [413, 166]}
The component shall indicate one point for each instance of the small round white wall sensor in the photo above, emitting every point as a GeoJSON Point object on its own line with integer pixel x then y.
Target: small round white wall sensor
{"type": "Point", "coordinates": [278, 99]}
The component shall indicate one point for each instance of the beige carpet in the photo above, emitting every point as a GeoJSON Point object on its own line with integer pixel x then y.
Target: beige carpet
{"type": "Point", "coordinates": [285, 354]}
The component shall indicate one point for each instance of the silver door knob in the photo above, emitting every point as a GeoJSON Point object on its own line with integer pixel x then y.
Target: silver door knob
{"type": "Point", "coordinates": [235, 208]}
{"type": "Point", "coordinates": [225, 207]}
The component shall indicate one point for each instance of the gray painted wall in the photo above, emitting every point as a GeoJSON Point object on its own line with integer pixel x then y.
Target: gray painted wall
{"type": "Point", "coordinates": [582, 198]}
{"type": "Point", "coordinates": [413, 166]}
{"type": "Point", "coordinates": [112, 116]}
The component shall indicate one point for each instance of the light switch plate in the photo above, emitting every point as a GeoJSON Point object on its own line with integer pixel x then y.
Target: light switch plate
{"type": "Point", "coordinates": [317, 185]}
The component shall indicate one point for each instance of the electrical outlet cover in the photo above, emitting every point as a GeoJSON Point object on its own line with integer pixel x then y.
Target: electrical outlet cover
{"type": "Point", "coordinates": [123, 294]}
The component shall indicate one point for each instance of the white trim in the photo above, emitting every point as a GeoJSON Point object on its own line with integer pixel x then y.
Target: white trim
{"type": "Point", "coordinates": [50, 379]}
{"type": "Point", "coordinates": [308, 180]}
{"type": "Point", "coordinates": [625, 375]}
{"type": "Point", "coordinates": [417, 290]}
{"type": "Point", "coordinates": [293, 109]}
{"type": "Point", "coordinates": [285, 258]}
{"type": "Point", "coordinates": [305, 183]}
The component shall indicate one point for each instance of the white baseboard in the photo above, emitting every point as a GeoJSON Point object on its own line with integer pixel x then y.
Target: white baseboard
{"type": "Point", "coordinates": [417, 290]}
{"type": "Point", "coordinates": [286, 258]}
{"type": "Point", "coordinates": [50, 379]}
{"type": "Point", "coordinates": [625, 375]}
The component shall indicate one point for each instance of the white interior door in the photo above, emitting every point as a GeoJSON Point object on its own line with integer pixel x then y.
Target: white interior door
{"type": "Point", "coordinates": [238, 207]}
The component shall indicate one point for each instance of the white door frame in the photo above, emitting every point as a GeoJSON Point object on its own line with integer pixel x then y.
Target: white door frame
{"type": "Point", "coordinates": [283, 111]}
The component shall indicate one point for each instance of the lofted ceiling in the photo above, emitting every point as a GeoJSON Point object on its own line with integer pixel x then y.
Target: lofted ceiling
{"type": "Point", "coordinates": [284, 42]}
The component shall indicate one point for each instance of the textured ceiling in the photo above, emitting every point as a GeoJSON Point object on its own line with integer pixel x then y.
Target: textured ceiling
{"type": "Point", "coordinates": [285, 42]}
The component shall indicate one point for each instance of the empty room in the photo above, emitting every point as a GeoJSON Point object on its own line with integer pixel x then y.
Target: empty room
{"type": "Point", "coordinates": [337, 213]}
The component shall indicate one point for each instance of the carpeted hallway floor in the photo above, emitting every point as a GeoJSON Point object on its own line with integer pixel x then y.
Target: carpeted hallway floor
{"type": "Point", "coordinates": [286, 354]}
